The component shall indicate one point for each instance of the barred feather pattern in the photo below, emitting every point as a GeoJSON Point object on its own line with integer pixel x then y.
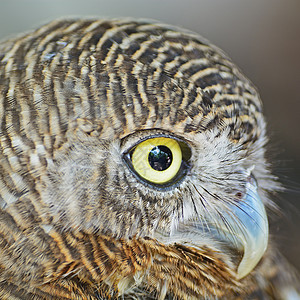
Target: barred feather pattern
{"type": "Point", "coordinates": [74, 222]}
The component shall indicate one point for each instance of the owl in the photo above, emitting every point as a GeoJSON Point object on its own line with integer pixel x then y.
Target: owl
{"type": "Point", "coordinates": [132, 166]}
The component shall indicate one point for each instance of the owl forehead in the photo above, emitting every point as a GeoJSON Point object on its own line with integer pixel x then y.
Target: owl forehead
{"type": "Point", "coordinates": [129, 76]}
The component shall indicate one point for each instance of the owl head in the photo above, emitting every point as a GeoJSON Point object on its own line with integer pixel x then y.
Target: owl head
{"type": "Point", "coordinates": [128, 129]}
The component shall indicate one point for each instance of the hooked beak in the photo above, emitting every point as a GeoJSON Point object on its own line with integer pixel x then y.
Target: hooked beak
{"type": "Point", "coordinates": [246, 229]}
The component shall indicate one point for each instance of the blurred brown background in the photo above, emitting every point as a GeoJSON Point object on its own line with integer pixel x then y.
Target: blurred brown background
{"type": "Point", "coordinates": [261, 36]}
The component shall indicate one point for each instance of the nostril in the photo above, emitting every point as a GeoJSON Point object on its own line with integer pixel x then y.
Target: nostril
{"type": "Point", "coordinates": [239, 195]}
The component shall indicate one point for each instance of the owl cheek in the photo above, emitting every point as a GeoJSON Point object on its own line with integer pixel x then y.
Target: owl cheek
{"type": "Point", "coordinates": [241, 230]}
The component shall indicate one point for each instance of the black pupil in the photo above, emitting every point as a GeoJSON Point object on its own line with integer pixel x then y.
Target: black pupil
{"type": "Point", "coordinates": [160, 158]}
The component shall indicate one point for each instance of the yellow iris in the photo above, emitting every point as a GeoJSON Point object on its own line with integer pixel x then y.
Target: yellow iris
{"type": "Point", "coordinates": [157, 160]}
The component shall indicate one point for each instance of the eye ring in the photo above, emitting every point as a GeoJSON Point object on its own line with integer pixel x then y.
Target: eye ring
{"type": "Point", "coordinates": [166, 152]}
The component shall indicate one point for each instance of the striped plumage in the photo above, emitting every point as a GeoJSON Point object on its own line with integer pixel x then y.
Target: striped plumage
{"type": "Point", "coordinates": [75, 222]}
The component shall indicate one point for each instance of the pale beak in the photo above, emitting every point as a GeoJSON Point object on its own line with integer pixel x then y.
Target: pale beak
{"type": "Point", "coordinates": [248, 224]}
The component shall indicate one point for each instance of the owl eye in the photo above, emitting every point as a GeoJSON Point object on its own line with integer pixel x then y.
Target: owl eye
{"type": "Point", "coordinates": [157, 160]}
